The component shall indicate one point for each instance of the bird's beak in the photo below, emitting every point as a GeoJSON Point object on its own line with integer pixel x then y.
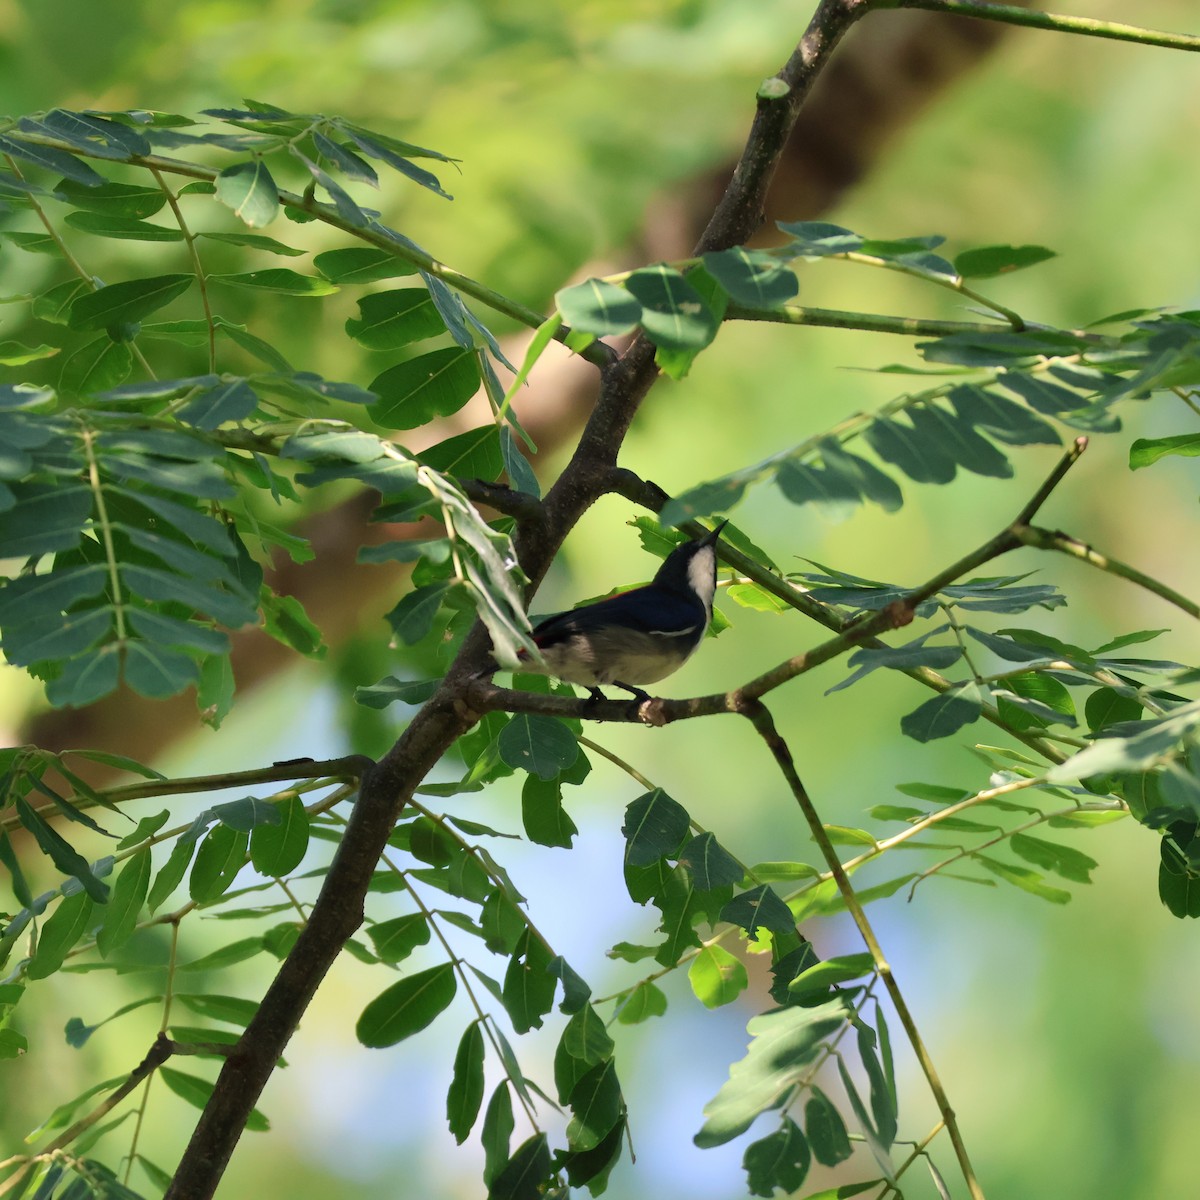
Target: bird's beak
{"type": "Point", "coordinates": [709, 538]}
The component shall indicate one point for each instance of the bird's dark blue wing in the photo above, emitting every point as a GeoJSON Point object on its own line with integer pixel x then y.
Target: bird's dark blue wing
{"type": "Point", "coordinates": [647, 609]}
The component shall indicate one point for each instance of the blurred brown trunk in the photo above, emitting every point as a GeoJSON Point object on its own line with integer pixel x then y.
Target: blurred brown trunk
{"type": "Point", "coordinates": [890, 67]}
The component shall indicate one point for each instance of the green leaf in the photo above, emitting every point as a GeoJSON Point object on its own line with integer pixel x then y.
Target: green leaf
{"type": "Point", "coordinates": [232, 1009]}
{"type": "Point", "coordinates": [152, 670]}
{"type": "Point", "coordinates": [643, 1001]}
{"type": "Point", "coordinates": [824, 975]}
{"type": "Point", "coordinates": [361, 264]}
{"type": "Point", "coordinates": [255, 241]}
{"type": "Point", "coordinates": [229, 400]}
{"type": "Point", "coordinates": [717, 977]}
{"type": "Point", "coordinates": [96, 366]}
{"type": "Point", "coordinates": [277, 848]}
{"type": "Point", "coordinates": [1178, 883]}
{"type": "Point", "coordinates": [576, 991]}
{"type": "Point", "coordinates": [586, 1039]}
{"type": "Point", "coordinates": [674, 315]}
{"type": "Point", "coordinates": [413, 617]}
{"type": "Point", "coordinates": [833, 492]}
{"type": "Point", "coordinates": [395, 939]}
{"type": "Point", "coordinates": [543, 746]}
{"type": "Point", "coordinates": [59, 935]}
{"type": "Point", "coordinates": [117, 199]}
{"type": "Point", "coordinates": [406, 1007]}
{"type": "Point", "coordinates": [1145, 451]}
{"type": "Point", "coordinates": [1003, 419]}
{"type": "Point", "coordinates": [778, 1161]}
{"type": "Point", "coordinates": [197, 1091]}
{"type": "Point", "coordinates": [718, 496]}
{"type": "Point", "coordinates": [1062, 860]}
{"type": "Point", "coordinates": [389, 320]}
{"type": "Point", "coordinates": [465, 1096]}
{"type": "Point", "coordinates": [277, 279]}
{"type": "Point", "coordinates": [1136, 752]}
{"type": "Point", "coordinates": [285, 620]}
{"type": "Point", "coordinates": [591, 1168]}
{"type": "Point", "coordinates": [127, 302]}
{"type": "Point", "coordinates": [710, 864]}
{"type": "Point", "coordinates": [1106, 706]}
{"type": "Point", "coordinates": [497, 1129]}
{"type": "Point", "coordinates": [395, 154]}
{"type": "Point", "coordinates": [881, 1071]}
{"type": "Point", "coordinates": [655, 825]}
{"type": "Point", "coordinates": [542, 814]}
{"type": "Point", "coordinates": [826, 1130]}
{"type": "Point", "coordinates": [248, 189]}
{"type": "Point", "coordinates": [957, 440]}
{"type": "Point", "coordinates": [526, 1174]}
{"type": "Point", "coordinates": [848, 472]}
{"type": "Point", "coordinates": [390, 689]}
{"type": "Point", "coordinates": [65, 858]}
{"type": "Point", "coordinates": [599, 307]}
{"type": "Point", "coordinates": [17, 354]}
{"type": "Point", "coordinates": [944, 714]}
{"type": "Point", "coordinates": [987, 261]}
{"type": "Point", "coordinates": [432, 385]}
{"type": "Point", "coordinates": [783, 1044]}
{"type": "Point", "coordinates": [52, 159]}
{"type": "Point", "coordinates": [754, 278]}
{"type": "Point", "coordinates": [917, 456]}
{"type": "Point", "coordinates": [123, 228]}
{"type": "Point", "coordinates": [760, 906]}
{"type": "Point", "coordinates": [901, 658]}
{"type": "Point", "coordinates": [529, 986]}
{"type": "Point", "coordinates": [125, 904]}
{"type": "Point", "coordinates": [221, 856]}
{"type": "Point", "coordinates": [1041, 394]}
{"type": "Point", "coordinates": [171, 874]}
{"type": "Point", "coordinates": [1034, 700]}
{"type": "Point", "coordinates": [516, 465]}
{"type": "Point", "coordinates": [502, 922]}
{"type": "Point", "coordinates": [474, 454]}
{"type": "Point", "coordinates": [1022, 877]}
{"type": "Point", "coordinates": [596, 1107]}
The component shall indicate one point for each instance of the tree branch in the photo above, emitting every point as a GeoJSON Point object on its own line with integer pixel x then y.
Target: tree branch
{"type": "Point", "coordinates": [162, 1049]}
{"type": "Point", "coordinates": [760, 717]}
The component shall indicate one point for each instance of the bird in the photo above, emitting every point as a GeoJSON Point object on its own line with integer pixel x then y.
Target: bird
{"type": "Point", "coordinates": [639, 636]}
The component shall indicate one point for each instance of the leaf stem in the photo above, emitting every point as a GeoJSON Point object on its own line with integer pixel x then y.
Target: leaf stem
{"type": "Point", "coordinates": [1010, 14]}
{"type": "Point", "coordinates": [201, 277]}
{"type": "Point", "coordinates": [1048, 539]}
{"type": "Point", "coordinates": [106, 537]}
{"type": "Point", "coordinates": [457, 963]}
{"type": "Point", "coordinates": [349, 767]}
{"type": "Point", "coordinates": [164, 1023]}
{"type": "Point", "coordinates": [760, 717]}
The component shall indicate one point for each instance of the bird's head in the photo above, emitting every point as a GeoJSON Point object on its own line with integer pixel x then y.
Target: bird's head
{"type": "Point", "coordinates": [692, 568]}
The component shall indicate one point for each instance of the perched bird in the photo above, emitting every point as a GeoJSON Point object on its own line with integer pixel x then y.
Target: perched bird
{"type": "Point", "coordinates": [640, 636]}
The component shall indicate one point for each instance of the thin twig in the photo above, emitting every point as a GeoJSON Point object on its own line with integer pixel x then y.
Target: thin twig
{"type": "Point", "coordinates": [760, 717]}
{"type": "Point", "coordinates": [1010, 14]}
